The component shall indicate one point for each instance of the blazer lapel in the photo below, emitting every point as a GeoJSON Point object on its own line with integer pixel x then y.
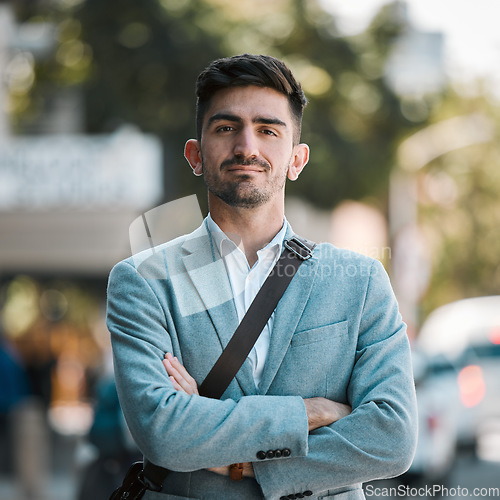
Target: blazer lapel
{"type": "Point", "coordinates": [208, 274]}
{"type": "Point", "coordinates": [286, 317]}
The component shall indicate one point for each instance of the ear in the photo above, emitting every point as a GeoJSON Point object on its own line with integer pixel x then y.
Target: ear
{"type": "Point", "coordinates": [299, 161]}
{"type": "Point", "coordinates": [192, 153]}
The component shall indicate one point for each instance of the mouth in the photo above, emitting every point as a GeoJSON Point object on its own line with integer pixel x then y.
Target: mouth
{"type": "Point", "coordinates": [245, 169]}
{"type": "Point", "coordinates": [245, 166]}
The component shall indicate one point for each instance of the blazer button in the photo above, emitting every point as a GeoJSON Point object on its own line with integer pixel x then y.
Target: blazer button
{"type": "Point", "coordinates": [278, 453]}
{"type": "Point", "coordinates": [261, 455]}
{"type": "Point", "coordinates": [299, 495]}
{"type": "Point", "coordinates": [308, 493]}
{"type": "Point", "coordinates": [286, 453]}
{"type": "Point", "coordinates": [270, 454]}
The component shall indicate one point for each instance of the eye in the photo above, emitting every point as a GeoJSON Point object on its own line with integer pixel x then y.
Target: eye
{"type": "Point", "coordinates": [267, 131]}
{"type": "Point", "coordinates": [225, 128]}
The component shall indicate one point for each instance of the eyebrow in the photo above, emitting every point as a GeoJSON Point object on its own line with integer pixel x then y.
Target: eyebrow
{"type": "Point", "coordinates": [236, 119]}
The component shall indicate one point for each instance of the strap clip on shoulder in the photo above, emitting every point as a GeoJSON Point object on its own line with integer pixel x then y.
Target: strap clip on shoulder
{"type": "Point", "coordinates": [299, 248]}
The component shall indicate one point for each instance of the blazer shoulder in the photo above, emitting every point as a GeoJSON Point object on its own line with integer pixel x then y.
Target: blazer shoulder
{"type": "Point", "coordinates": [327, 252]}
{"type": "Point", "coordinates": [152, 263]}
{"type": "Point", "coordinates": [347, 265]}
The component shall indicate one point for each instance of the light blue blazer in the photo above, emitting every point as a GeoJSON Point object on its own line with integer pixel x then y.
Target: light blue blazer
{"type": "Point", "coordinates": [337, 333]}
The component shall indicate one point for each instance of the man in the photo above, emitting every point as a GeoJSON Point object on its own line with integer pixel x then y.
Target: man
{"type": "Point", "coordinates": [325, 400]}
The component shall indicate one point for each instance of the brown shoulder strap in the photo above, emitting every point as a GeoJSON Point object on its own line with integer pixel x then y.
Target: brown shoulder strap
{"type": "Point", "coordinates": [295, 252]}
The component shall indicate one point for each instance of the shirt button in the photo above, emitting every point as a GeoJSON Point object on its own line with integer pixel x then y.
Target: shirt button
{"type": "Point", "coordinates": [261, 455]}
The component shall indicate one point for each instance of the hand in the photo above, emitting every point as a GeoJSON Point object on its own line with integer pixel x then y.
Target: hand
{"type": "Point", "coordinates": [182, 381]}
{"type": "Point", "coordinates": [179, 376]}
{"type": "Point", "coordinates": [224, 471]}
{"type": "Point", "coordinates": [322, 411]}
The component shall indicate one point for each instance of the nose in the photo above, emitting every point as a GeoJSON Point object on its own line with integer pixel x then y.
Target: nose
{"type": "Point", "coordinates": [246, 144]}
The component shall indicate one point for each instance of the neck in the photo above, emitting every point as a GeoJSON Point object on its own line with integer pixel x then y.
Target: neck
{"type": "Point", "coordinates": [250, 228]}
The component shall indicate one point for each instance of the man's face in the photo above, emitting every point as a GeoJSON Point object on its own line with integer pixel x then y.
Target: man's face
{"type": "Point", "coordinates": [247, 150]}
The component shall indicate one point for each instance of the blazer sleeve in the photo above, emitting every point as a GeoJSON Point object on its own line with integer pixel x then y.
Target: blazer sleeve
{"type": "Point", "coordinates": [173, 430]}
{"type": "Point", "coordinates": [378, 439]}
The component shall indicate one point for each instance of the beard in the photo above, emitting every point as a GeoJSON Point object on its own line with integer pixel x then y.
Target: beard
{"type": "Point", "coordinates": [241, 191]}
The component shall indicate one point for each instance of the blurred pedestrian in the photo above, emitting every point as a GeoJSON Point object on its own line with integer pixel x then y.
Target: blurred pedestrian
{"type": "Point", "coordinates": [113, 443]}
{"type": "Point", "coordinates": [14, 388]}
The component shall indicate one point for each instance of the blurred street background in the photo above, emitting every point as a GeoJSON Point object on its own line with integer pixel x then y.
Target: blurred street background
{"type": "Point", "coordinates": [403, 121]}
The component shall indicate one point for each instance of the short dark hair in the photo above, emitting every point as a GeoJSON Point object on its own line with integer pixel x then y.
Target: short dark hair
{"type": "Point", "coordinates": [248, 69]}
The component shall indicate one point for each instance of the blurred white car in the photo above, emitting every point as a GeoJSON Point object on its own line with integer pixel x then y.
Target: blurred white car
{"type": "Point", "coordinates": [457, 376]}
{"type": "Point", "coordinates": [438, 405]}
{"type": "Point", "coordinates": [483, 357]}
{"type": "Point", "coordinates": [452, 328]}
{"type": "Point", "coordinates": [467, 334]}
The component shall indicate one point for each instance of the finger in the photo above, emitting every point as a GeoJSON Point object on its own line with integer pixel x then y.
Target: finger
{"type": "Point", "coordinates": [177, 387]}
{"type": "Point", "coordinates": [171, 369]}
{"type": "Point", "coordinates": [173, 372]}
{"type": "Point", "coordinates": [179, 368]}
{"type": "Point", "coordinates": [185, 375]}
{"type": "Point", "coordinates": [223, 471]}
{"type": "Point", "coordinates": [248, 469]}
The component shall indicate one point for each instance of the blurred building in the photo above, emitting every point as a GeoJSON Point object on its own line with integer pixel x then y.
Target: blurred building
{"type": "Point", "coordinates": [66, 203]}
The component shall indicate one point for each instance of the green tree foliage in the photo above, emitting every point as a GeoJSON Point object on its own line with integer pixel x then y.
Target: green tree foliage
{"type": "Point", "coordinates": [459, 210]}
{"type": "Point", "coordinates": [353, 121]}
{"type": "Point", "coordinates": [138, 61]}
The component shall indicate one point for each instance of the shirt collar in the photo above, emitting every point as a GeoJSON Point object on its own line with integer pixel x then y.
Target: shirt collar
{"type": "Point", "coordinates": [225, 245]}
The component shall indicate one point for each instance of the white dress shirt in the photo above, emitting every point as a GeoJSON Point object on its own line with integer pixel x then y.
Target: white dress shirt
{"type": "Point", "coordinates": [246, 282]}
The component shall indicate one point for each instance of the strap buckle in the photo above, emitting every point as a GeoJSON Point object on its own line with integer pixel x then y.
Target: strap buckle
{"type": "Point", "coordinates": [299, 248]}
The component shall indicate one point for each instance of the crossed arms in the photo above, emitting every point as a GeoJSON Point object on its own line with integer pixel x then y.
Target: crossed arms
{"type": "Point", "coordinates": [320, 411]}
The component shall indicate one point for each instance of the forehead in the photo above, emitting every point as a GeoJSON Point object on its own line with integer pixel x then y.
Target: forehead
{"type": "Point", "coordinates": [249, 103]}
